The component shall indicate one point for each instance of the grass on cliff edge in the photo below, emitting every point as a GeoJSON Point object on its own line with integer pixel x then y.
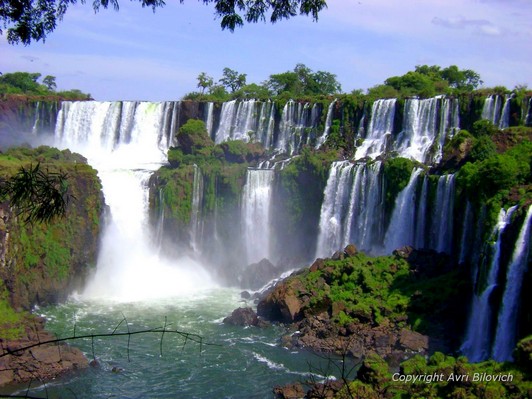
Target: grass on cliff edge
{"type": "Point", "coordinates": [386, 289]}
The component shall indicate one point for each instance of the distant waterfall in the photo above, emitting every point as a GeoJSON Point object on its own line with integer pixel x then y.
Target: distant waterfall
{"type": "Point", "coordinates": [379, 130]}
{"type": "Point", "coordinates": [421, 216]}
{"type": "Point", "coordinates": [426, 125]}
{"type": "Point", "coordinates": [477, 345]}
{"type": "Point", "coordinates": [248, 120]}
{"type": "Point", "coordinates": [441, 237]}
{"type": "Point", "coordinates": [328, 123]}
{"type": "Point", "coordinates": [209, 117]}
{"type": "Point", "coordinates": [402, 225]}
{"type": "Point", "coordinates": [296, 121]}
{"type": "Point", "coordinates": [196, 221]}
{"type": "Point", "coordinates": [352, 209]}
{"type": "Point", "coordinates": [505, 336]}
{"type": "Point", "coordinates": [467, 229]}
{"type": "Point", "coordinates": [493, 110]}
{"type": "Point", "coordinates": [256, 201]}
{"type": "Point", "coordinates": [528, 114]}
{"type": "Point", "coordinates": [126, 142]}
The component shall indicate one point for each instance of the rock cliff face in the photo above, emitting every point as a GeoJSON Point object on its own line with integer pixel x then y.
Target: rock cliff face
{"type": "Point", "coordinates": [356, 305]}
{"type": "Point", "coordinates": [42, 263]}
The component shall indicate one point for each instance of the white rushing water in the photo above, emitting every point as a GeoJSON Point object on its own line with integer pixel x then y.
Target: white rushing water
{"type": "Point", "coordinates": [442, 217]}
{"type": "Point", "coordinates": [126, 142]}
{"type": "Point", "coordinates": [401, 230]}
{"type": "Point", "coordinates": [505, 335]}
{"type": "Point", "coordinates": [477, 344]}
{"type": "Point", "coordinates": [379, 130]}
{"type": "Point", "coordinates": [256, 204]}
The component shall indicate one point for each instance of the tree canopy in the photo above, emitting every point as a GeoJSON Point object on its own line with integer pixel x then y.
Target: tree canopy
{"type": "Point", "coordinates": [28, 83]}
{"type": "Point", "coordinates": [28, 21]}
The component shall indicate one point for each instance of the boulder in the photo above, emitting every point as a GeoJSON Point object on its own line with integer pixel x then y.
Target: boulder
{"type": "Point", "coordinates": [256, 275]}
{"type": "Point", "coordinates": [244, 317]}
{"type": "Point", "coordinates": [290, 391]}
{"type": "Point", "coordinates": [350, 250]}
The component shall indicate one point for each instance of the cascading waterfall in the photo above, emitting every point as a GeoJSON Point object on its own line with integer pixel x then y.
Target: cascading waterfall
{"type": "Point", "coordinates": [441, 237]}
{"type": "Point", "coordinates": [504, 120]}
{"type": "Point", "coordinates": [295, 119]}
{"type": "Point", "coordinates": [401, 230]}
{"type": "Point", "coordinates": [328, 123]}
{"type": "Point", "coordinates": [419, 128]}
{"type": "Point", "coordinates": [334, 209]}
{"type": "Point", "coordinates": [352, 208]}
{"type": "Point", "coordinates": [449, 125]}
{"type": "Point", "coordinates": [379, 129]}
{"type": "Point", "coordinates": [505, 335]}
{"type": "Point", "coordinates": [467, 228]}
{"type": "Point", "coordinates": [248, 120]}
{"type": "Point", "coordinates": [196, 221]}
{"type": "Point", "coordinates": [421, 216]}
{"type": "Point", "coordinates": [366, 207]}
{"type": "Point", "coordinates": [209, 117]}
{"type": "Point", "coordinates": [491, 110]}
{"type": "Point", "coordinates": [528, 117]}
{"type": "Point", "coordinates": [256, 200]}
{"type": "Point", "coordinates": [477, 344]}
{"type": "Point", "coordinates": [126, 142]}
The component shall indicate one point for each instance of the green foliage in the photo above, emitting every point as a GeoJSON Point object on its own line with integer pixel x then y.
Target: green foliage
{"type": "Point", "coordinates": [38, 196]}
{"type": "Point", "coordinates": [303, 82]}
{"type": "Point", "coordinates": [10, 321]}
{"type": "Point", "coordinates": [484, 179]}
{"type": "Point", "coordinates": [482, 149]}
{"type": "Point", "coordinates": [233, 80]}
{"type": "Point", "coordinates": [483, 128]}
{"type": "Point", "coordinates": [193, 137]}
{"type": "Point", "coordinates": [397, 173]}
{"type": "Point", "coordinates": [18, 83]}
{"type": "Point", "coordinates": [441, 376]}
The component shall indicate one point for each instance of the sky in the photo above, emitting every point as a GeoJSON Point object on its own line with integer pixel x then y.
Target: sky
{"type": "Point", "coordinates": [135, 54]}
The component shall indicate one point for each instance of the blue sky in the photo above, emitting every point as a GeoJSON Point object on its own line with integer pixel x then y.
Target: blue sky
{"type": "Point", "coordinates": [135, 54]}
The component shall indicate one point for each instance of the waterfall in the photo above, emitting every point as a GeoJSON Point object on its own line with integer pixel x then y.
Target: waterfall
{"type": "Point", "coordinates": [256, 200]}
{"type": "Point", "coordinates": [466, 233]}
{"type": "Point", "coordinates": [401, 229]}
{"type": "Point", "coordinates": [126, 142]}
{"type": "Point", "coordinates": [477, 343]}
{"type": "Point", "coordinates": [266, 124]}
{"type": "Point", "coordinates": [328, 123]}
{"type": "Point", "coordinates": [528, 117]}
{"type": "Point", "coordinates": [379, 129]}
{"type": "Point", "coordinates": [491, 110]}
{"type": "Point", "coordinates": [196, 221]}
{"type": "Point", "coordinates": [505, 336]}
{"type": "Point", "coordinates": [449, 125]}
{"type": "Point", "coordinates": [295, 119]}
{"type": "Point", "coordinates": [504, 120]}
{"type": "Point", "coordinates": [421, 217]}
{"type": "Point", "coordinates": [366, 207]}
{"type": "Point", "coordinates": [334, 209]}
{"type": "Point", "coordinates": [209, 117]}
{"type": "Point", "coordinates": [441, 238]}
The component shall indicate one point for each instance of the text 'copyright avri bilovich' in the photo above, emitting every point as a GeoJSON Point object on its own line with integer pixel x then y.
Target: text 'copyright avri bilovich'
{"type": "Point", "coordinates": [440, 377]}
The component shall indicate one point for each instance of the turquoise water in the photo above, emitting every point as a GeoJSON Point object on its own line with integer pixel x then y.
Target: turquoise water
{"type": "Point", "coordinates": [241, 363]}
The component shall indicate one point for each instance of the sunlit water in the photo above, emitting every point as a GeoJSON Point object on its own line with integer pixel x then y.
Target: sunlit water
{"type": "Point", "coordinates": [234, 362]}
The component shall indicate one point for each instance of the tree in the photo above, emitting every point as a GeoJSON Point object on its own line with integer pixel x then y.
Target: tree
{"type": "Point", "coordinates": [302, 81]}
{"type": "Point", "coordinates": [23, 82]}
{"type": "Point", "coordinates": [28, 21]}
{"type": "Point", "coordinates": [232, 79]}
{"type": "Point", "coordinates": [49, 82]}
{"type": "Point", "coordinates": [37, 195]}
{"type": "Point", "coordinates": [204, 82]}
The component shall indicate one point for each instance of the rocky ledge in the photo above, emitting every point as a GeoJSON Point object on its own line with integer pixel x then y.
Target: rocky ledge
{"type": "Point", "coordinates": [355, 305]}
{"type": "Point", "coordinates": [38, 363]}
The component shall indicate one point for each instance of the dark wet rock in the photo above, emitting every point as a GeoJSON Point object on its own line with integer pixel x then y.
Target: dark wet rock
{"type": "Point", "coordinates": [42, 362]}
{"type": "Point", "coordinates": [257, 275]}
{"type": "Point", "coordinates": [244, 317]}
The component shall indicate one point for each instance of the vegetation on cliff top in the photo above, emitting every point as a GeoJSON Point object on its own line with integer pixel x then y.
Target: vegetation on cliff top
{"type": "Point", "coordinates": [27, 84]}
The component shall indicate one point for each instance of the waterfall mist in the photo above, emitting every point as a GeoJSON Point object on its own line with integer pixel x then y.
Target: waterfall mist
{"type": "Point", "coordinates": [126, 143]}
